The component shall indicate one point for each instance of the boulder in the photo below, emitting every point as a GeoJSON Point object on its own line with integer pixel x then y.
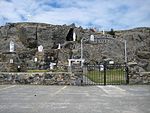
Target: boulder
{"type": "Point", "coordinates": [143, 54]}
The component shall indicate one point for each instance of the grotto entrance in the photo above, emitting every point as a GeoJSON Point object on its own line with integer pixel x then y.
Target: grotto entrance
{"type": "Point", "coordinates": [69, 36]}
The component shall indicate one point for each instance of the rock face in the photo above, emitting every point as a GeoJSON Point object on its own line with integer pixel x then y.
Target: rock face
{"type": "Point", "coordinates": [28, 36]}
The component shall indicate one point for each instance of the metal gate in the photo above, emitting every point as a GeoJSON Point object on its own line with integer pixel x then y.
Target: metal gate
{"type": "Point", "coordinates": [105, 74]}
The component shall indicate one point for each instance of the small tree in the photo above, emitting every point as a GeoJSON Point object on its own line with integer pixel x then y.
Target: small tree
{"type": "Point", "coordinates": [112, 32]}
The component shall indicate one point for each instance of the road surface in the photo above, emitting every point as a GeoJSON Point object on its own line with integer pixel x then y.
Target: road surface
{"type": "Point", "coordinates": [74, 99]}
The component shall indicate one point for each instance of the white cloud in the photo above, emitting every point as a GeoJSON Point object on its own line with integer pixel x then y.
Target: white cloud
{"type": "Point", "coordinates": [106, 14]}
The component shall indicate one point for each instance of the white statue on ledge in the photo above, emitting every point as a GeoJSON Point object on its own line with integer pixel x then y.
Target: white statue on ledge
{"type": "Point", "coordinates": [12, 46]}
{"type": "Point", "coordinates": [74, 36]}
{"type": "Point", "coordinates": [103, 32]}
{"type": "Point", "coordinates": [40, 48]}
{"type": "Point", "coordinates": [59, 46]}
{"type": "Point", "coordinates": [92, 38]}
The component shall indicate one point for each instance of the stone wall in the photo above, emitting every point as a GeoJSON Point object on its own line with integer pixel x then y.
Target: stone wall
{"type": "Point", "coordinates": [140, 78]}
{"type": "Point", "coordinates": [47, 78]}
{"type": "Point", "coordinates": [60, 78]}
{"type": "Point", "coordinates": [137, 74]}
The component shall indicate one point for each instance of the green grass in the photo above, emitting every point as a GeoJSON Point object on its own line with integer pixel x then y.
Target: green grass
{"type": "Point", "coordinates": [53, 70]}
{"type": "Point", "coordinates": [34, 71]}
{"type": "Point", "coordinates": [113, 76]}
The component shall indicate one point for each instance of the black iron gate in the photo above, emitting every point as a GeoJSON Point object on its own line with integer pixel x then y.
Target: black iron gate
{"type": "Point", "coordinates": [105, 74]}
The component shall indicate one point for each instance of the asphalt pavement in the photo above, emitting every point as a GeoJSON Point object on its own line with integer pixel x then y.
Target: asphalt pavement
{"type": "Point", "coordinates": [74, 99]}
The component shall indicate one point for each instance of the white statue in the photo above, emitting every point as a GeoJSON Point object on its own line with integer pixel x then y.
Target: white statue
{"type": "Point", "coordinates": [35, 59]}
{"type": "Point", "coordinates": [52, 65]}
{"type": "Point", "coordinates": [11, 46]}
{"type": "Point", "coordinates": [59, 46]}
{"type": "Point", "coordinates": [40, 48]}
{"type": "Point", "coordinates": [103, 32]}
{"type": "Point", "coordinates": [74, 36]}
{"type": "Point", "coordinates": [11, 61]}
{"type": "Point", "coordinates": [92, 38]}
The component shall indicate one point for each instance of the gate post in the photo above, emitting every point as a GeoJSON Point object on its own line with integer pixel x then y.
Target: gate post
{"type": "Point", "coordinates": [127, 74]}
{"type": "Point", "coordinates": [105, 65]}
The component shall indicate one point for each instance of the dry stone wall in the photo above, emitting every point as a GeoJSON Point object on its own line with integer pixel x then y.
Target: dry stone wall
{"type": "Point", "coordinates": [47, 78]}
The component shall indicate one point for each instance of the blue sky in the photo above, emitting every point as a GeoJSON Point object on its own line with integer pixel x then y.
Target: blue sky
{"type": "Point", "coordinates": [102, 14]}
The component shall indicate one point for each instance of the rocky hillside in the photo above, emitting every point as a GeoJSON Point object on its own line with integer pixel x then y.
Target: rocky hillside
{"type": "Point", "coordinates": [138, 46]}
{"type": "Point", "coordinates": [28, 36]}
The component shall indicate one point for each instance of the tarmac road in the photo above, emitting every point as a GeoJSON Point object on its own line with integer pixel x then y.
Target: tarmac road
{"type": "Point", "coordinates": [74, 99]}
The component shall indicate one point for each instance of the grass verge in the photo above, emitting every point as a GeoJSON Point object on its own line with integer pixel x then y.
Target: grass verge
{"type": "Point", "coordinates": [113, 76]}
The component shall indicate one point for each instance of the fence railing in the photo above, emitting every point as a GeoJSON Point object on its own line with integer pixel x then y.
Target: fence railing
{"type": "Point", "coordinates": [105, 74]}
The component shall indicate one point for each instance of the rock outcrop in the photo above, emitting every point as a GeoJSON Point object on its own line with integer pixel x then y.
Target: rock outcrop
{"type": "Point", "coordinates": [27, 36]}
